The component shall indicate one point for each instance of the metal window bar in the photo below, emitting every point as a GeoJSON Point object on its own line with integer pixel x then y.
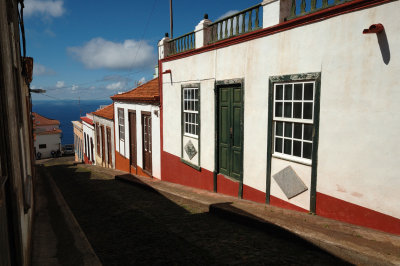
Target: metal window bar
{"type": "Point", "coordinates": [236, 24]}
{"type": "Point", "coordinates": [304, 7]}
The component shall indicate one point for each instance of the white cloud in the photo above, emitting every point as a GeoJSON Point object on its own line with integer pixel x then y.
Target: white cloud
{"type": "Point", "coordinates": [227, 14]}
{"type": "Point", "coordinates": [41, 70]}
{"type": "Point", "coordinates": [48, 8]}
{"type": "Point", "coordinates": [100, 53]}
{"type": "Point", "coordinates": [60, 84]}
{"type": "Point", "coordinates": [115, 86]}
{"type": "Point", "coordinates": [142, 80]}
{"type": "Point", "coordinates": [74, 87]}
{"type": "Point", "coordinates": [116, 78]}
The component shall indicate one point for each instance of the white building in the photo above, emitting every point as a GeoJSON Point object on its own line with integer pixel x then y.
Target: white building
{"type": "Point", "coordinates": [88, 137]}
{"type": "Point", "coordinates": [103, 120]}
{"type": "Point", "coordinates": [296, 109]}
{"type": "Point", "coordinates": [137, 130]}
{"type": "Point", "coordinates": [47, 136]}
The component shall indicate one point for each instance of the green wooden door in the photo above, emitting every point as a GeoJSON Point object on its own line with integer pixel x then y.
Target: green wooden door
{"type": "Point", "coordinates": [230, 134]}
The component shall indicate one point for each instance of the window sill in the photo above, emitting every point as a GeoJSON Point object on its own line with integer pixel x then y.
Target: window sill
{"type": "Point", "coordinates": [306, 162]}
{"type": "Point", "coordinates": [198, 168]}
{"type": "Point", "coordinates": [191, 136]}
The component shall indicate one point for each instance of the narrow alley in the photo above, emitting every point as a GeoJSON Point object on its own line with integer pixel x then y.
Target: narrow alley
{"type": "Point", "coordinates": [127, 224]}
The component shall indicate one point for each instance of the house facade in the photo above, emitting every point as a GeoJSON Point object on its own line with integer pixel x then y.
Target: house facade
{"type": "Point", "coordinates": [78, 140]}
{"type": "Point", "coordinates": [17, 156]}
{"type": "Point", "coordinates": [137, 130]}
{"type": "Point", "coordinates": [88, 139]}
{"type": "Point", "coordinates": [289, 106]}
{"type": "Point", "coordinates": [47, 136]}
{"type": "Point", "coordinates": [103, 120]}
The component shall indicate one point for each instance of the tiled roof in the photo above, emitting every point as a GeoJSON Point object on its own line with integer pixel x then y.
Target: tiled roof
{"type": "Point", "coordinates": [106, 112]}
{"type": "Point", "coordinates": [87, 120]}
{"type": "Point", "coordinates": [49, 132]}
{"type": "Point", "coordinates": [148, 92]}
{"type": "Point", "coordinates": [39, 120]}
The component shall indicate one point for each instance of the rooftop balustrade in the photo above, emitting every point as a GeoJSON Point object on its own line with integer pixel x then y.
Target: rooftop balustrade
{"type": "Point", "coordinates": [182, 43]}
{"type": "Point", "coordinates": [304, 7]}
{"type": "Point", "coordinates": [265, 14]}
{"type": "Point", "coordinates": [236, 24]}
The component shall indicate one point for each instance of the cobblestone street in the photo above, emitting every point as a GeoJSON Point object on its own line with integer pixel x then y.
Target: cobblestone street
{"type": "Point", "coordinates": [130, 225]}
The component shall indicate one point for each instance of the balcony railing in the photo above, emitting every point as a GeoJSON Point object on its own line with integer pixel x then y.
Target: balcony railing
{"type": "Point", "coordinates": [239, 23]}
{"type": "Point", "coordinates": [182, 43]}
{"type": "Point", "coordinates": [303, 7]}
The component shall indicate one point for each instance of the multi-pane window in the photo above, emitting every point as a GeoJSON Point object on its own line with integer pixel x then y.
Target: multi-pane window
{"type": "Point", "coordinates": [293, 119]}
{"type": "Point", "coordinates": [121, 124]}
{"type": "Point", "coordinates": [98, 138]}
{"type": "Point", "coordinates": [191, 111]}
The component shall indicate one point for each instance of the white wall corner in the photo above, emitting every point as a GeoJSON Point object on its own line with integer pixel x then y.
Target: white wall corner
{"type": "Point", "coordinates": [202, 33]}
{"type": "Point", "coordinates": [271, 12]}
{"type": "Point", "coordinates": [163, 48]}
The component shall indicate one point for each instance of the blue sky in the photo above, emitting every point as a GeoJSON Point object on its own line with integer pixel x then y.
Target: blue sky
{"type": "Point", "coordinates": [94, 49]}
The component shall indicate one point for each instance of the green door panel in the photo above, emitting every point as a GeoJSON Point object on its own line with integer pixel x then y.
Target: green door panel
{"type": "Point", "coordinates": [230, 130]}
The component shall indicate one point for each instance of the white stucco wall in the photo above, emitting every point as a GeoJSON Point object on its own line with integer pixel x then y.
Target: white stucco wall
{"type": "Point", "coordinates": [89, 130]}
{"type": "Point", "coordinates": [359, 116]}
{"type": "Point", "coordinates": [52, 141]}
{"type": "Point", "coordinates": [106, 123]}
{"type": "Point", "coordinates": [123, 148]}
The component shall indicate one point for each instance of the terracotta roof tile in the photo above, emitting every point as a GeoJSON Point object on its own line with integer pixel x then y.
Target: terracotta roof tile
{"type": "Point", "coordinates": [148, 92]}
{"type": "Point", "coordinates": [106, 112]}
{"type": "Point", "coordinates": [39, 120]}
{"type": "Point", "coordinates": [49, 132]}
{"type": "Point", "coordinates": [87, 120]}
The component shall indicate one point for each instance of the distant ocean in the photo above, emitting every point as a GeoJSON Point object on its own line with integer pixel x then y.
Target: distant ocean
{"type": "Point", "coordinates": [66, 111]}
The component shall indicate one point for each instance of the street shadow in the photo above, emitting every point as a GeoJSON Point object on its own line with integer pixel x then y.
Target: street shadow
{"type": "Point", "coordinates": [131, 223]}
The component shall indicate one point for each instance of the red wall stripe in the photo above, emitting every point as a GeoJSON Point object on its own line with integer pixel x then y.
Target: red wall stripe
{"type": "Point", "coordinates": [121, 163]}
{"type": "Point", "coordinates": [227, 186]}
{"type": "Point", "coordinates": [274, 201]}
{"type": "Point", "coordinates": [173, 170]}
{"type": "Point", "coordinates": [253, 194]}
{"type": "Point", "coordinates": [341, 210]}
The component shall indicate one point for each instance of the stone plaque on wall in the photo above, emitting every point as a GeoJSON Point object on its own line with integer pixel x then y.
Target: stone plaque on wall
{"type": "Point", "coordinates": [289, 182]}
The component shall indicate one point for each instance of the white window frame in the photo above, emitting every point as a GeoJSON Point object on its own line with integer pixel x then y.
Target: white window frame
{"type": "Point", "coordinates": [191, 114]}
{"type": "Point", "coordinates": [292, 121]}
{"type": "Point", "coordinates": [121, 123]}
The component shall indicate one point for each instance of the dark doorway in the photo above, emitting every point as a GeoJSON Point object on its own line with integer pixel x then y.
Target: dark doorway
{"type": "Point", "coordinates": [146, 141]}
{"type": "Point", "coordinates": [132, 139]}
{"type": "Point", "coordinates": [230, 131]}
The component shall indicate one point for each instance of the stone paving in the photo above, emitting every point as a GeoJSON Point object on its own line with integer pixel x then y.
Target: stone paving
{"type": "Point", "coordinates": [130, 225]}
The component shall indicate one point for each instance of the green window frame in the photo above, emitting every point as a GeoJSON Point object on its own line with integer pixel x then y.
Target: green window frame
{"type": "Point", "coordinates": [293, 123]}
{"type": "Point", "coordinates": [190, 119]}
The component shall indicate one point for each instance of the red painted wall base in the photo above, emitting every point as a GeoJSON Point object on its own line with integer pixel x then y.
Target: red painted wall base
{"type": "Point", "coordinates": [341, 210]}
{"type": "Point", "coordinates": [274, 201]}
{"type": "Point", "coordinates": [175, 171]}
{"type": "Point", "coordinates": [227, 186]}
{"type": "Point", "coordinates": [86, 159]}
{"type": "Point", "coordinates": [253, 194]}
{"type": "Point", "coordinates": [121, 163]}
